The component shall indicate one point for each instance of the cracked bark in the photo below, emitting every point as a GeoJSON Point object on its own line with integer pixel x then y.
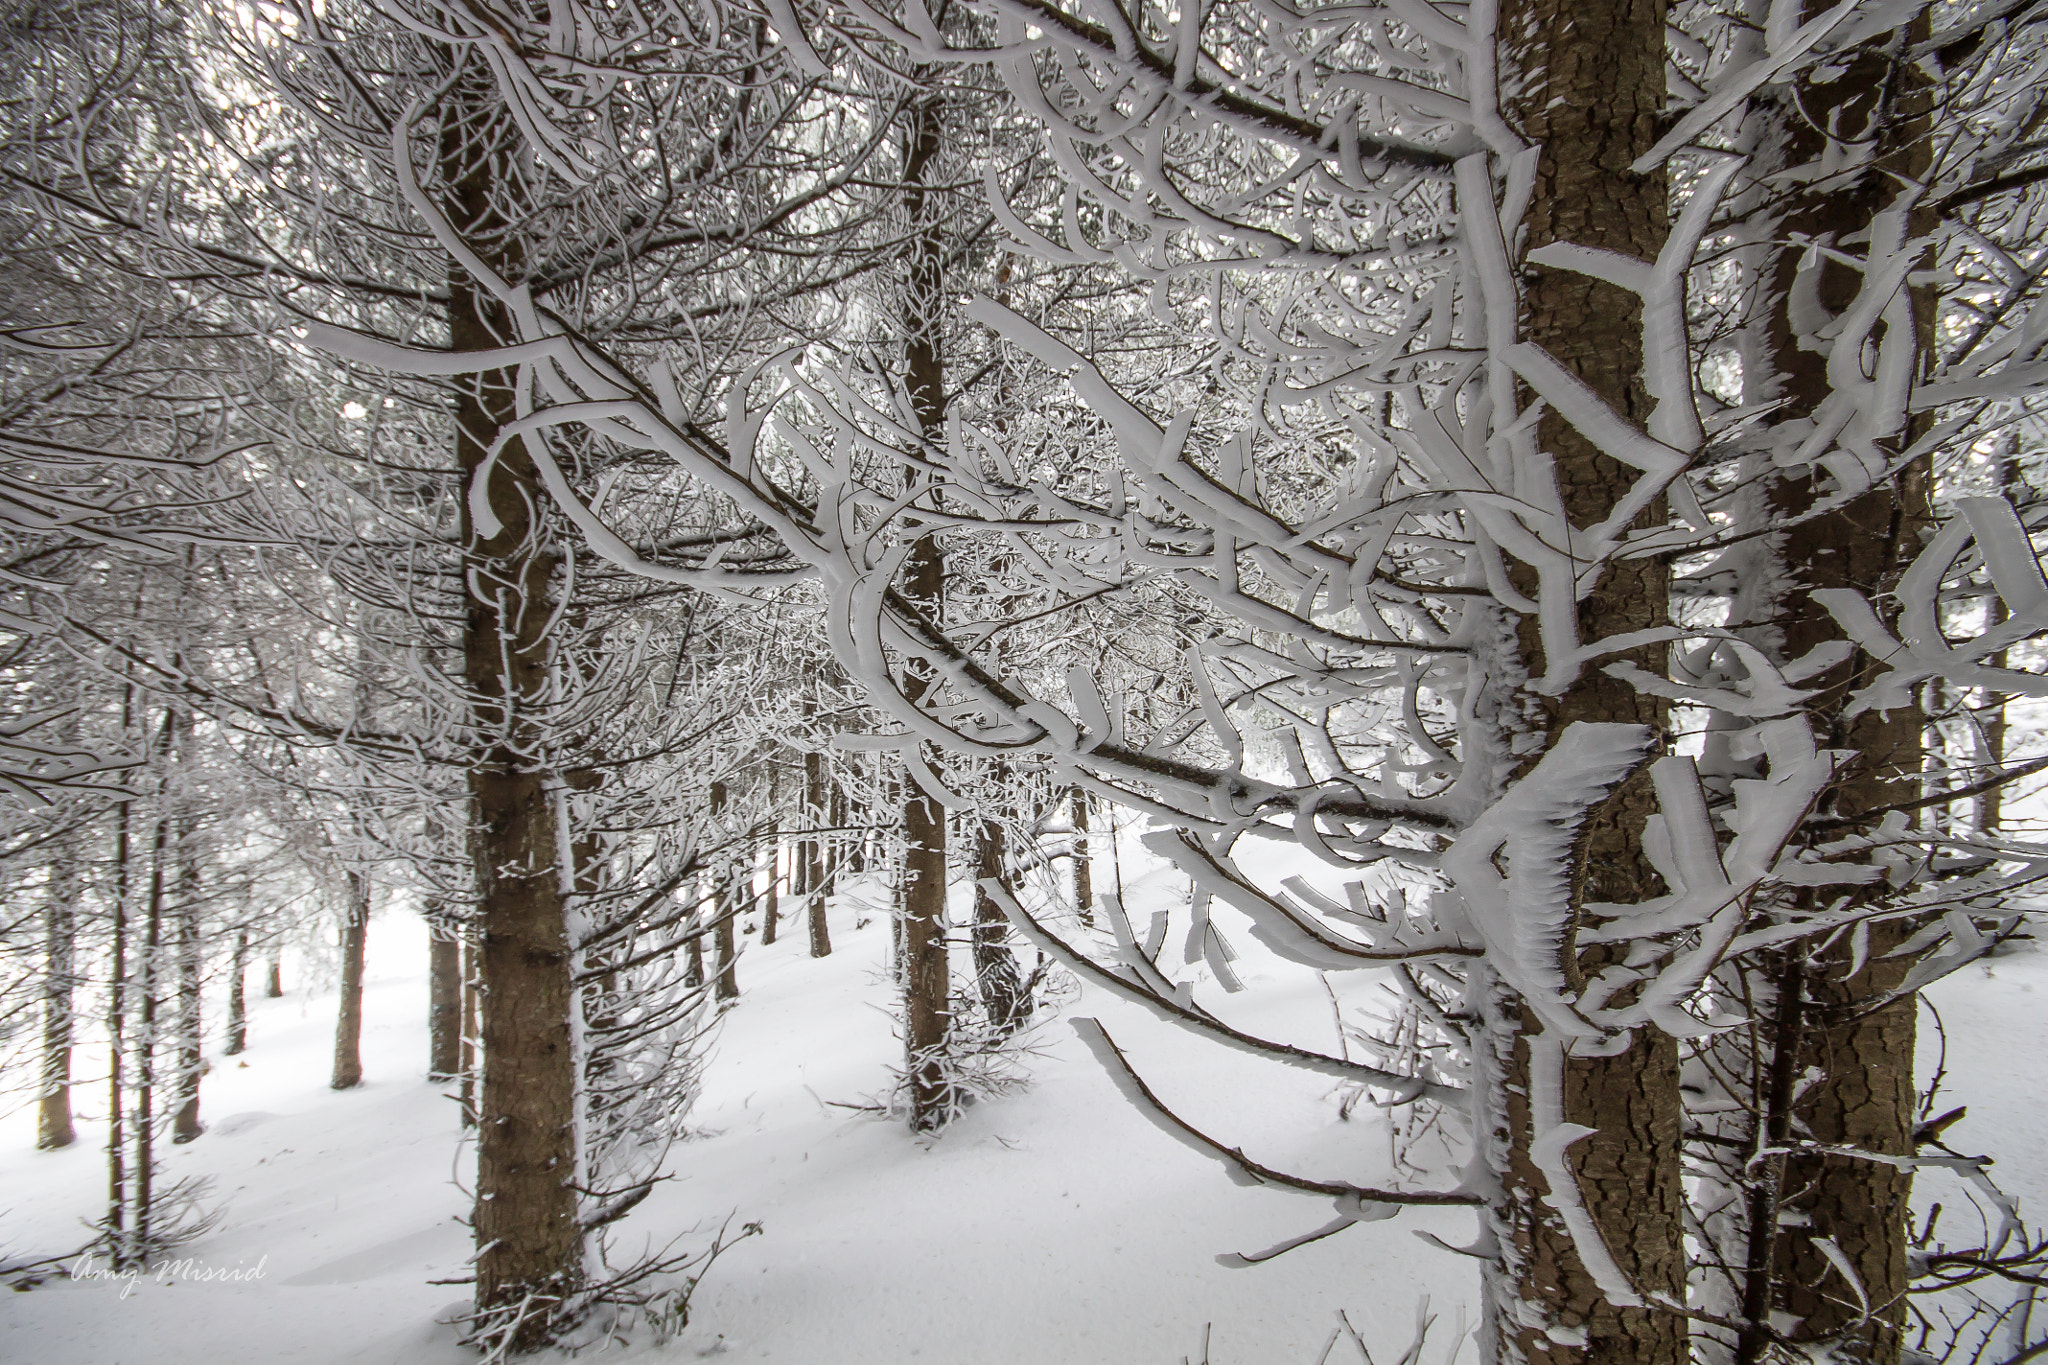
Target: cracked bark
{"type": "Point", "coordinates": [1587, 82]}
{"type": "Point", "coordinates": [926, 974]}
{"type": "Point", "coordinates": [529, 1244]}
{"type": "Point", "coordinates": [817, 853]}
{"type": "Point", "coordinates": [1862, 1057]}
{"type": "Point", "coordinates": [444, 996]}
{"type": "Point", "coordinates": [54, 1127]}
{"type": "Point", "coordinates": [238, 997]}
{"type": "Point", "coordinates": [724, 905]}
{"type": "Point", "coordinates": [1003, 994]}
{"type": "Point", "coordinates": [348, 1024]}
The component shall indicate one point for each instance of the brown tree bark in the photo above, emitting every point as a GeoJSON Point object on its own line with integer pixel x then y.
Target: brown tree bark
{"type": "Point", "coordinates": [54, 1127]}
{"type": "Point", "coordinates": [1854, 1055]}
{"type": "Point", "coordinates": [191, 1054]}
{"type": "Point", "coordinates": [927, 983]}
{"type": "Point", "coordinates": [471, 1036]}
{"type": "Point", "coordinates": [120, 1249]}
{"type": "Point", "coordinates": [1992, 747]}
{"type": "Point", "coordinates": [444, 998]}
{"type": "Point", "coordinates": [348, 1024]}
{"type": "Point", "coordinates": [238, 997]}
{"type": "Point", "coordinates": [1587, 84]}
{"type": "Point", "coordinates": [693, 954]}
{"type": "Point", "coordinates": [147, 1006]}
{"type": "Point", "coordinates": [771, 896]}
{"type": "Point", "coordinates": [118, 1246]}
{"type": "Point", "coordinates": [1865, 1102]}
{"type": "Point", "coordinates": [1003, 996]}
{"type": "Point", "coordinates": [816, 852]}
{"type": "Point", "coordinates": [725, 905]}
{"type": "Point", "coordinates": [836, 841]}
{"type": "Point", "coordinates": [529, 1245]}
{"type": "Point", "coordinates": [1859, 1059]}
{"type": "Point", "coordinates": [1084, 862]}
{"type": "Point", "coordinates": [728, 987]}
{"type": "Point", "coordinates": [273, 983]}
{"type": "Point", "coordinates": [926, 973]}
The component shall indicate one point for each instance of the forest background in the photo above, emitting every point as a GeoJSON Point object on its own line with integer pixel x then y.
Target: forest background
{"type": "Point", "coordinates": [1527, 504]}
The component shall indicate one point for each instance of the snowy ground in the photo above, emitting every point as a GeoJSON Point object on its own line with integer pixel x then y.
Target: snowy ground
{"type": "Point", "coordinates": [1051, 1227]}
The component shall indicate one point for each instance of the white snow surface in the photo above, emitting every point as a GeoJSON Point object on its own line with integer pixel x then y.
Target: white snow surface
{"type": "Point", "coordinates": [1054, 1226]}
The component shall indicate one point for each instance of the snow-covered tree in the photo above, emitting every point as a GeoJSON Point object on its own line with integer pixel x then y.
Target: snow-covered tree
{"type": "Point", "coordinates": [1445, 426]}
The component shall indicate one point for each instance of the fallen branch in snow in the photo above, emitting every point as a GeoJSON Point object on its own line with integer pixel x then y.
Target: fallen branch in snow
{"type": "Point", "coordinates": [1406, 1088]}
{"type": "Point", "coordinates": [1245, 1171]}
{"type": "Point", "coordinates": [26, 1275]}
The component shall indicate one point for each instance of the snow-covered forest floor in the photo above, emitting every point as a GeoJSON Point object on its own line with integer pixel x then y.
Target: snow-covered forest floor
{"type": "Point", "coordinates": [1050, 1226]}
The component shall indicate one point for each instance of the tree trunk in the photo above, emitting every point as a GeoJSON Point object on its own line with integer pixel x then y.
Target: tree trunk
{"type": "Point", "coordinates": [529, 1245]}
{"type": "Point", "coordinates": [895, 789]}
{"type": "Point", "coordinates": [857, 833]}
{"type": "Point", "coordinates": [771, 896]}
{"type": "Point", "coordinates": [119, 1250]}
{"type": "Point", "coordinates": [1003, 996]}
{"type": "Point", "coordinates": [1854, 1063]}
{"type": "Point", "coordinates": [728, 949]}
{"type": "Point", "coordinates": [927, 983]}
{"type": "Point", "coordinates": [273, 985]}
{"type": "Point", "coordinates": [595, 1002]}
{"type": "Point", "coordinates": [1991, 731]}
{"type": "Point", "coordinates": [238, 999]}
{"type": "Point", "coordinates": [145, 1045]}
{"type": "Point", "coordinates": [185, 1125]}
{"type": "Point", "coordinates": [54, 1127]}
{"type": "Point", "coordinates": [1587, 83]}
{"type": "Point", "coordinates": [1084, 867]}
{"type": "Point", "coordinates": [348, 1024]}
{"type": "Point", "coordinates": [725, 905]}
{"type": "Point", "coordinates": [694, 952]}
{"type": "Point", "coordinates": [1864, 1101]}
{"type": "Point", "coordinates": [836, 842]}
{"type": "Point", "coordinates": [471, 1035]}
{"type": "Point", "coordinates": [817, 874]}
{"type": "Point", "coordinates": [1857, 1060]}
{"type": "Point", "coordinates": [444, 999]}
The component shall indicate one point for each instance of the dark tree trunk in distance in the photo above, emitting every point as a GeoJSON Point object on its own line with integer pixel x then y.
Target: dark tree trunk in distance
{"type": "Point", "coordinates": [119, 1251]}
{"type": "Point", "coordinates": [836, 843]}
{"type": "Point", "coordinates": [348, 1024]}
{"type": "Point", "coordinates": [185, 1125]}
{"type": "Point", "coordinates": [771, 897]}
{"type": "Point", "coordinates": [728, 948]}
{"type": "Point", "coordinates": [54, 1127]}
{"type": "Point", "coordinates": [817, 872]}
{"type": "Point", "coordinates": [927, 983]}
{"type": "Point", "coordinates": [1003, 996]}
{"type": "Point", "coordinates": [151, 970]}
{"type": "Point", "coordinates": [444, 1000]}
{"type": "Point", "coordinates": [1084, 865]}
{"type": "Point", "coordinates": [725, 906]}
{"type": "Point", "coordinates": [238, 998]}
